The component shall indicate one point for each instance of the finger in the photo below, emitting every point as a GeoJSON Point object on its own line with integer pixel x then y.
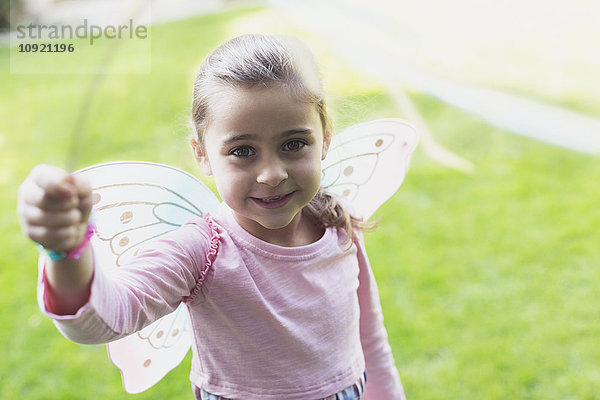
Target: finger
{"type": "Point", "coordinates": [85, 207]}
{"type": "Point", "coordinates": [57, 239]}
{"type": "Point", "coordinates": [84, 191]}
{"type": "Point", "coordinates": [82, 186]}
{"type": "Point", "coordinates": [49, 188]}
{"type": "Point", "coordinates": [37, 216]}
{"type": "Point", "coordinates": [55, 182]}
{"type": "Point", "coordinates": [30, 193]}
{"type": "Point", "coordinates": [33, 195]}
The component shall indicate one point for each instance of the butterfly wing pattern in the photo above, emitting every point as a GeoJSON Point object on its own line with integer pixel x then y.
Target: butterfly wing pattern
{"type": "Point", "coordinates": [367, 163]}
{"type": "Point", "coordinates": [135, 202]}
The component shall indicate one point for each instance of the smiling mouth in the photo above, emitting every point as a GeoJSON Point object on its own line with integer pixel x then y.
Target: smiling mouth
{"type": "Point", "coordinates": [273, 201]}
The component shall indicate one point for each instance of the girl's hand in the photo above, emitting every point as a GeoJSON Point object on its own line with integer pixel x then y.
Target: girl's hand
{"type": "Point", "coordinates": [54, 207]}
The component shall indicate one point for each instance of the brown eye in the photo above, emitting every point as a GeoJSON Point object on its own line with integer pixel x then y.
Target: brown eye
{"type": "Point", "coordinates": [242, 152]}
{"type": "Point", "coordinates": [293, 145]}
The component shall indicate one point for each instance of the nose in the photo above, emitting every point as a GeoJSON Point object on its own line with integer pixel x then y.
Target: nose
{"type": "Point", "coordinates": [272, 172]}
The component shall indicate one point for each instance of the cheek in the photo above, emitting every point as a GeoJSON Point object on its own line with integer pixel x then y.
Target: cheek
{"type": "Point", "coordinates": [231, 182]}
{"type": "Point", "coordinates": [310, 172]}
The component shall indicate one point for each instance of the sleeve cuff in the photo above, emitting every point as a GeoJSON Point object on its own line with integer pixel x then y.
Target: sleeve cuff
{"type": "Point", "coordinates": [49, 301]}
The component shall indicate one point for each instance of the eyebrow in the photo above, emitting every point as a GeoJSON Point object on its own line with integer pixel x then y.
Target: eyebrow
{"type": "Point", "coordinates": [248, 136]}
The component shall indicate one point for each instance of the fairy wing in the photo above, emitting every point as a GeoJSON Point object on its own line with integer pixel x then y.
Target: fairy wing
{"type": "Point", "coordinates": [366, 163]}
{"type": "Point", "coordinates": [135, 202]}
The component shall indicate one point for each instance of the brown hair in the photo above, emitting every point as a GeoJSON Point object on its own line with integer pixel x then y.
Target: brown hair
{"type": "Point", "coordinates": [251, 60]}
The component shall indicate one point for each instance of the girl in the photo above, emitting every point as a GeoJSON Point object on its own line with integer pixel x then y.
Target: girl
{"type": "Point", "coordinates": [282, 299]}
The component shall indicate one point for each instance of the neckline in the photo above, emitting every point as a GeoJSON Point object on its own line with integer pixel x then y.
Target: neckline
{"type": "Point", "coordinates": [225, 217]}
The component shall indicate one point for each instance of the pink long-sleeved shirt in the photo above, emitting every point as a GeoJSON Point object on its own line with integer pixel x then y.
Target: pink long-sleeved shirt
{"type": "Point", "coordinates": [269, 322]}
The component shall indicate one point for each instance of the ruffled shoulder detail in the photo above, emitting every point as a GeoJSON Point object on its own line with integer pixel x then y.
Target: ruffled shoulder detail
{"type": "Point", "coordinates": [210, 257]}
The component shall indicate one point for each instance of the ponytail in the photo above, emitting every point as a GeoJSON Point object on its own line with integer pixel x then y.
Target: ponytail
{"type": "Point", "coordinates": [327, 211]}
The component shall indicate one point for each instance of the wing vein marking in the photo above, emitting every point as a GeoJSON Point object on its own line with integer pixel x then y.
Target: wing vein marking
{"type": "Point", "coordinates": [151, 185]}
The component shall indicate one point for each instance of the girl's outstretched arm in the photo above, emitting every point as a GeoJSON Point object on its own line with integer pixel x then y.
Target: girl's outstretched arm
{"type": "Point", "coordinates": [88, 305]}
{"type": "Point", "coordinates": [54, 208]}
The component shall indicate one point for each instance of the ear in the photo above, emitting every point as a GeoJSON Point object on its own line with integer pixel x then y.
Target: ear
{"type": "Point", "coordinates": [201, 157]}
{"type": "Point", "coordinates": [326, 143]}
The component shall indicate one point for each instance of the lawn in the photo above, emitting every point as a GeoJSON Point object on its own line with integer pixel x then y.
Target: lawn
{"type": "Point", "coordinates": [490, 292]}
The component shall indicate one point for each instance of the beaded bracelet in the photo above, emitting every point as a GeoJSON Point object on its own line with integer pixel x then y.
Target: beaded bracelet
{"type": "Point", "coordinates": [73, 254]}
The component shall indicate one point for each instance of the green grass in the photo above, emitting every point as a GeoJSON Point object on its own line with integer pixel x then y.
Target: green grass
{"type": "Point", "coordinates": [490, 292]}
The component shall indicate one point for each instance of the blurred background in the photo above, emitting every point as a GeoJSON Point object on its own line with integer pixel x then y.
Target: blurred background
{"type": "Point", "coordinates": [491, 291]}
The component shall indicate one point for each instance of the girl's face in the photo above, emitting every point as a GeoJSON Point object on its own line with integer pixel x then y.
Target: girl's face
{"type": "Point", "coordinates": [264, 149]}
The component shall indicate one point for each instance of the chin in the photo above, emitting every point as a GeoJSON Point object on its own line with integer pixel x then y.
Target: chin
{"type": "Point", "coordinates": [274, 223]}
